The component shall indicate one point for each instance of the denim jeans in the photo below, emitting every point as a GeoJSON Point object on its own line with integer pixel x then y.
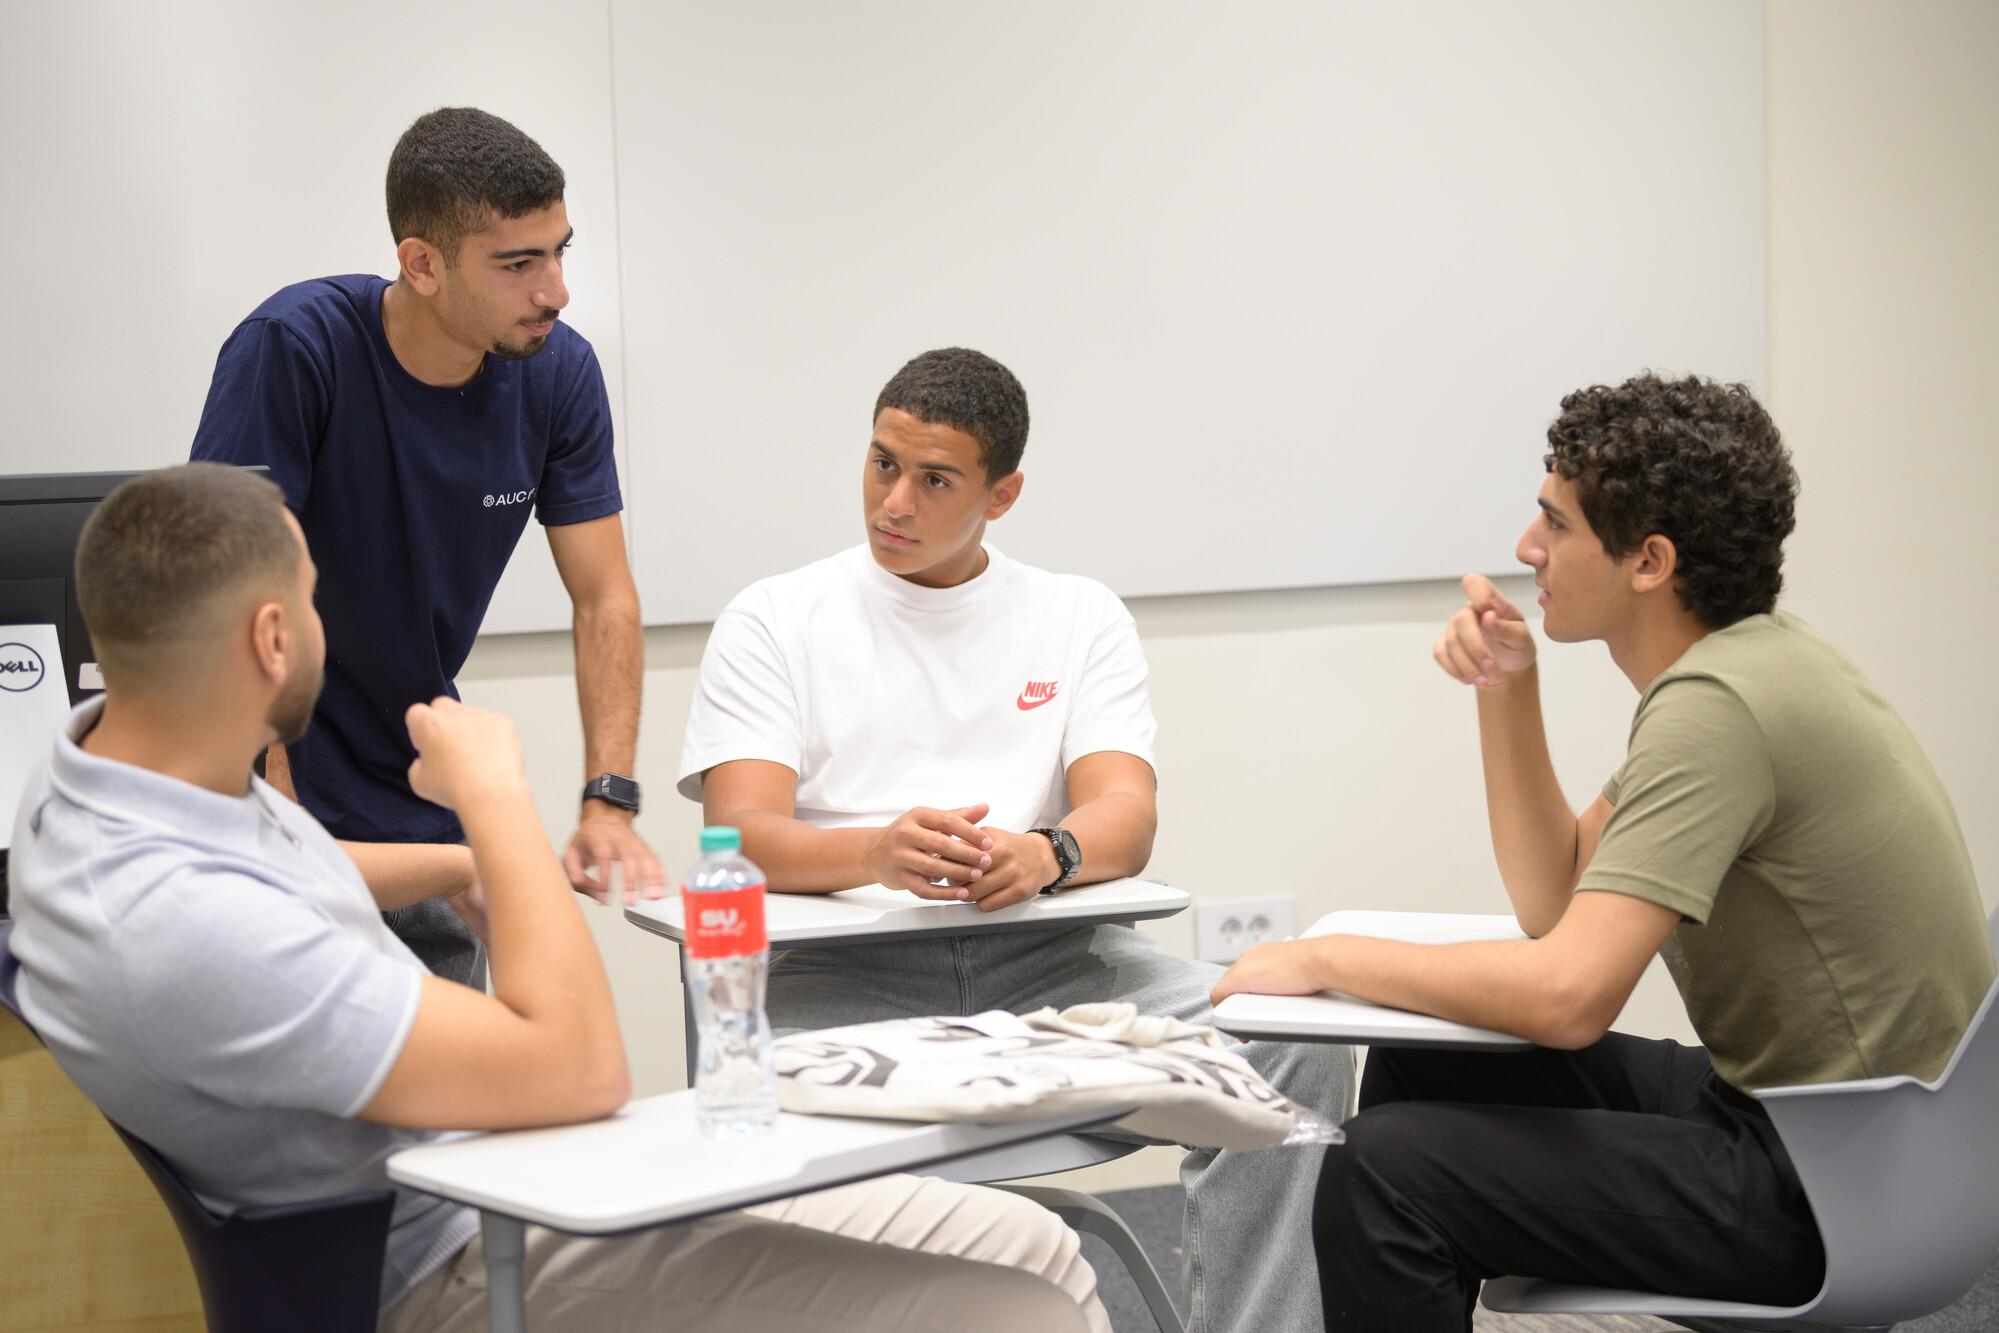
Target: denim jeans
{"type": "Point", "coordinates": [1247, 1228]}
{"type": "Point", "coordinates": [441, 941]}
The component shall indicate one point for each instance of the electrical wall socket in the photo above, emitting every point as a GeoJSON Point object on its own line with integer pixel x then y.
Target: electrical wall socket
{"type": "Point", "coordinates": [1224, 928]}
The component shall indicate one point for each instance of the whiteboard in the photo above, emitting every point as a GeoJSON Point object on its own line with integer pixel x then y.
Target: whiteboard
{"type": "Point", "coordinates": [171, 165]}
{"type": "Point", "coordinates": [1294, 287]}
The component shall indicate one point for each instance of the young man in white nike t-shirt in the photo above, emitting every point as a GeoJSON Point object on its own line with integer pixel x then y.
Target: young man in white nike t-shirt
{"type": "Point", "coordinates": [921, 711]}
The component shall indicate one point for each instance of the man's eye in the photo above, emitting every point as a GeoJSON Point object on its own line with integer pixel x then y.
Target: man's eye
{"type": "Point", "coordinates": [938, 482]}
{"type": "Point", "coordinates": [517, 266]}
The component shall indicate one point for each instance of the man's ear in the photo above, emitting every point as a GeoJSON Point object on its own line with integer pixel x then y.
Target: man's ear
{"type": "Point", "coordinates": [272, 642]}
{"type": "Point", "coordinates": [422, 265]}
{"type": "Point", "coordinates": [1004, 492]}
{"type": "Point", "coordinates": [1654, 564]}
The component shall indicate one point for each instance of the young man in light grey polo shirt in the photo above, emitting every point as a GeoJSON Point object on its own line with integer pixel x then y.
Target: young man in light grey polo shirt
{"type": "Point", "coordinates": [212, 969]}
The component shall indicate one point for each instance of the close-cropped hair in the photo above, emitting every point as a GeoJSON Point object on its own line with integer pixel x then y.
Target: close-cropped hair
{"type": "Point", "coordinates": [1696, 462]}
{"type": "Point", "coordinates": [457, 166]}
{"type": "Point", "coordinates": [166, 556]}
{"type": "Point", "coordinates": [967, 391]}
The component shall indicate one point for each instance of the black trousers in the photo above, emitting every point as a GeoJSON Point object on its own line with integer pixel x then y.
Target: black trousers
{"type": "Point", "coordinates": [1627, 1164]}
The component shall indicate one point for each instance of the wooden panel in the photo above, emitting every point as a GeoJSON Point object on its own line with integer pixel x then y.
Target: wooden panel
{"type": "Point", "coordinates": [85, 1242]}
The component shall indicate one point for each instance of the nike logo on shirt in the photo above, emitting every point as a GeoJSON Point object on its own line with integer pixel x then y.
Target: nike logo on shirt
{"type": "Point", "coordinates": [1037, 693]}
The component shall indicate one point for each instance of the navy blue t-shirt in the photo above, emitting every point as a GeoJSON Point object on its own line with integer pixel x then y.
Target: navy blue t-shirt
{"type": "Point", "coordinates": [412, 498]}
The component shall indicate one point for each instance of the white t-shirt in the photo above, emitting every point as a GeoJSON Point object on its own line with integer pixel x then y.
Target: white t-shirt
{"type": "Point", "coordinates": [883, 695]}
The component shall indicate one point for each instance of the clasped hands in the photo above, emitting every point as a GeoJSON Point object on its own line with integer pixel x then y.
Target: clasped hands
{"type": "Point", "coordinates": [944, 855]}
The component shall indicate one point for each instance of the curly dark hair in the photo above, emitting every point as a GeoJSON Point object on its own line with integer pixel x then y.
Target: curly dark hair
{"type": "Point", "coordinates": [1697, 462]}
{"type": "Point", "coordinates": [967, 391]}
{"type": "Point", "coordinates": [457, 165]}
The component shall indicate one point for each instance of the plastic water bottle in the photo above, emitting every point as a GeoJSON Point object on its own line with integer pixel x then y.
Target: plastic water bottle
{"type": "Point", "coordinates": [728, 960]}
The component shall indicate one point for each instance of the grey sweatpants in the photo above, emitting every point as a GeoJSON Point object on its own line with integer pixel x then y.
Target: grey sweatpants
{"type": "Point", "coordinates": [1248, 1224]}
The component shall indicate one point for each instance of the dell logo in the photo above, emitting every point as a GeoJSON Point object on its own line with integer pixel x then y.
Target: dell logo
{"type": "Point", "coordinates": [513, 498]}
{"type": "Point", "coordinates": [21, 668]}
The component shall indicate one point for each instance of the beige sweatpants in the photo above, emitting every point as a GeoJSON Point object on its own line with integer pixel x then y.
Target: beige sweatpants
{"type": "Point", "coordinates": [894, 1253]}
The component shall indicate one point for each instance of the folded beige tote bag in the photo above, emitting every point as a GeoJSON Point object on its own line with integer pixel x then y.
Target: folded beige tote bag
{"type": "Point", "coordinates": [1189, 1086]}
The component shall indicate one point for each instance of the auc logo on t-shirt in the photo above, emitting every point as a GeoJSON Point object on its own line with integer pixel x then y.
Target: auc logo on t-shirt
{"type": "Point", "coordinates": [21, 668]}
{"type": "Point", "coordinates": [511, 497]}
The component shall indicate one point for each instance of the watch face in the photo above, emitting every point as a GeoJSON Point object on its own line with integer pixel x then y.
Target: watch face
{"type": "Point", "coordinates": [616, 788]}
{"type": "Point", "coordinates": [1066, 850]}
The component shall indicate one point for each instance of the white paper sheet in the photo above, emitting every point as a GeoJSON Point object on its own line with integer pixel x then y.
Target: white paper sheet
{"type": "Point", "coordinates": [33, 704]}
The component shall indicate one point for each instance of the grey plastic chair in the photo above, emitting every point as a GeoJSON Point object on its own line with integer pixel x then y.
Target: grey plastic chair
{"type": "Point", "coordinates": [1903, 1177]}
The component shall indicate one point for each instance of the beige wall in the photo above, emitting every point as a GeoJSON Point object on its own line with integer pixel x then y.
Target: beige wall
{"type": "Point", "coordinates": [1884, 354]}
{"type": "Point", "coordinates": [1307, 744]}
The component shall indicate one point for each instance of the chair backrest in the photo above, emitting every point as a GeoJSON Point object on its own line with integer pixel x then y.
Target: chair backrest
{"type": "Point", "coordinates": [1903, 1180]}
{"type": "Point", "coordinates": [10, 969]}
{"type": "Point", "coordinates": [314, 1265]}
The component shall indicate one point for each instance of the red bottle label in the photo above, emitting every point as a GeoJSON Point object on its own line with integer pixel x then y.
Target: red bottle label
{"type": "Point", "coordinates": [725, 925]}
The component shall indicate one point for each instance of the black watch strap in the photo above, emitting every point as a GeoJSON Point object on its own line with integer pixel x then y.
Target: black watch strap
{"type": "Point", "coordinates": [613, 789]}
{"type": "Point", "coordinates": [1068, 856]}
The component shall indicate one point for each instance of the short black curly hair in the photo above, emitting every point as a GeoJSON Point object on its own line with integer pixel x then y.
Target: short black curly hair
{"type": "Point", "coordinates": [456, 166]}
{"type": "Point", "coordinates": [967, 391]}
{"type": "Point", "coordinates": [1697, 462]}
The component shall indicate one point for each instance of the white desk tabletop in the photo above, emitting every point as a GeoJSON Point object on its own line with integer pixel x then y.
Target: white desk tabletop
{"type": "Point", "coordinates": [858, 916]}
{"type": "Point", "coordinates": [1331, 1016]}
{"type": "Point", "coordinates": [649, 1164]}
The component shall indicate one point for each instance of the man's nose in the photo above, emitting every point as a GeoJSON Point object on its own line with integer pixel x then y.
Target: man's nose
{"type": "Point", "coordinates": [553, 294]}
{"type": "Point", "coordinates": [901, 496]}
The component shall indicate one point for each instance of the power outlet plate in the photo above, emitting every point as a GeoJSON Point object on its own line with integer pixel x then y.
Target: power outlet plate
{"type": "Point", "coordinates": [1225, 927]}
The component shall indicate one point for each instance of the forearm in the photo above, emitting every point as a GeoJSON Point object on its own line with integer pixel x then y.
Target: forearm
{"type": "Point", "coordinates": [1114, 833]}
{"type": "Point", "coordinates": [1533, 829]}
{"type": "Point", "coordinates": [399, 874]}
{"type": "Point", "coordinates": [610, 676]}
{"type": "Point", "coordinates": [544, 963]}
{"type": "Point", "coordinates": [1506, 985]}
{"type": "Point", "coordinates": [798, 858]}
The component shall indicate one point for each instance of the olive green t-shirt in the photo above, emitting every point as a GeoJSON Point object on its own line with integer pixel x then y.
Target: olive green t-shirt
{"type": "Point", "coordinates": [1832, 928]}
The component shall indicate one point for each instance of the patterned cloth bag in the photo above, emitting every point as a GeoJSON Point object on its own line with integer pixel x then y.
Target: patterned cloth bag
{"type": "Point", "coordinates": [1189, 1086]}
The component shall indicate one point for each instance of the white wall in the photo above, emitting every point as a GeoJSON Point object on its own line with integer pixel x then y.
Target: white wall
{"type": "Point", "coordinates": [1307, 743]}
{"type": "Point", "coordinates": [1197, 232]}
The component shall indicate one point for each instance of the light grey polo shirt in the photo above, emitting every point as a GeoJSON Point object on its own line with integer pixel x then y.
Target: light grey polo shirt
{"type": "Point", "coordinates": [214, 974]}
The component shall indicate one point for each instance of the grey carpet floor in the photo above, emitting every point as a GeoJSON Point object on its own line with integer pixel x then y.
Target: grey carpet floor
{"type": "Point", "coordinates": [1154, 1214]}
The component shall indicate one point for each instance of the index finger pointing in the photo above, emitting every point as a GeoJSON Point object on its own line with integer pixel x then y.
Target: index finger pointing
{"type": "Point", "coordinates": [1479, 590]}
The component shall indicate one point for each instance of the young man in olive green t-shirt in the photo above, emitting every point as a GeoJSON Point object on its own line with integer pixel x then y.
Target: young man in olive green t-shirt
{"type": "Point", "coordinates": [1774, 829]}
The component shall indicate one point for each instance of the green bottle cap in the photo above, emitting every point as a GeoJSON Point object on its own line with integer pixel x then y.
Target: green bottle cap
{"type": "Point", "coordinates": [721, 838]}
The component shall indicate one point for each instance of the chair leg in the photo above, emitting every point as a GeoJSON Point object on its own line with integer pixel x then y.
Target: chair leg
{"type": "Point", "coordinates": [1089, 1214]}
{"type": "Point", "coordinates": [504, 1241]}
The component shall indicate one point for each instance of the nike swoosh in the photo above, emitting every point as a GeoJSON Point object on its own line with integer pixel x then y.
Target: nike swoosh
{"type": "Point", "coordinates": [1023, 703]}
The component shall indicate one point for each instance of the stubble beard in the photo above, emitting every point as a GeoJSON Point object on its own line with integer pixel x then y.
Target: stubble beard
{"type": "Point", "coordinates": [291, 711]}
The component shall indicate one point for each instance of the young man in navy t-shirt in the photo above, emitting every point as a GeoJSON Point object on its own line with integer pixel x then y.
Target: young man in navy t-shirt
{"type": "Point", "coordinates": [412, 425]}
